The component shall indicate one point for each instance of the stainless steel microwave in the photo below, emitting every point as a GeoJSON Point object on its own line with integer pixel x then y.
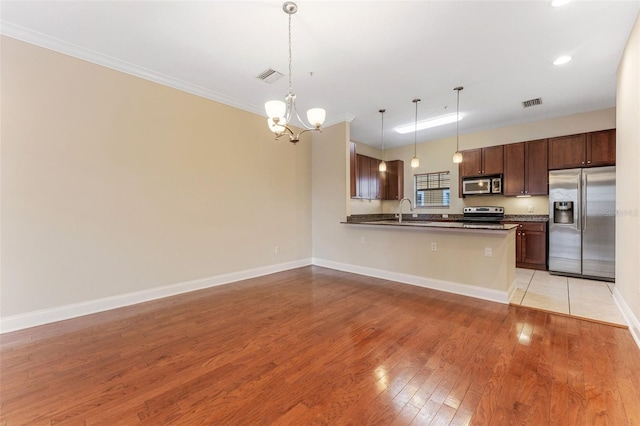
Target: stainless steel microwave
{"type": "Point", "coordinates": [482, 185]}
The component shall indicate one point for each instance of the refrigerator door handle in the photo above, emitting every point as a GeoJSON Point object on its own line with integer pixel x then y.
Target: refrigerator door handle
{"type": "Point", "coordinates": [583, 203]}
{"type": "Point", "coordinates": [578, 208]}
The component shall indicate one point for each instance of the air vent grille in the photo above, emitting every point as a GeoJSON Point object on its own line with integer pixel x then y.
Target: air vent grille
{"type": "Point", "coordinates": [269, 76]}
{"type": "Point", "coordinates": [532, 102]}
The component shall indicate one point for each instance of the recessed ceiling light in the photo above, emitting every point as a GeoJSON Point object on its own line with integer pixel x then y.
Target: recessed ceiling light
{"type": "Point", "coordinates": [558, 3]}
{"type": "Point", "coordinates": [562, 60]}
{"type": "Point", "coordinates": [427, 124]}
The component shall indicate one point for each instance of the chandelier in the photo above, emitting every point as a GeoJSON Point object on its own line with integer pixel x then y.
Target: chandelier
{"type": "Point", "coordinates": [280, 113]}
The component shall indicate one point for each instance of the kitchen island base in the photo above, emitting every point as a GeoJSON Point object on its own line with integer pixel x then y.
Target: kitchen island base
{"type": "Point", "coordinates": [473, 262]}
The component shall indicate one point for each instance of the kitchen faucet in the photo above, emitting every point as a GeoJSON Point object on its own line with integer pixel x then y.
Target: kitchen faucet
{"type": "Point", "coordinates": [400, 208]}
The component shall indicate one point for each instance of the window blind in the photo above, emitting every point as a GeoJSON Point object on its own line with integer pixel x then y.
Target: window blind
{"type": "Point", "coordinates": [433, 189]}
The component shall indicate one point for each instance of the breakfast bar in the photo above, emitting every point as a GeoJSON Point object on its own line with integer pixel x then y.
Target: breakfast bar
{"type": "Point", "coordinates": [474, 259]}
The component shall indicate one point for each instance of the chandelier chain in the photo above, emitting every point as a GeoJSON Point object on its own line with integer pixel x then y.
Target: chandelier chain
{"type": "Point", "coordinates": [415, 129]}
{"type": "Point", "coordinates": [458, 121]}
{"type": "Point", "coordinates": [290, 85]}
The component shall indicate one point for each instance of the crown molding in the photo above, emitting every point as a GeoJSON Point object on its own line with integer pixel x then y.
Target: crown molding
{"type": "Point", "coordinates": [52, 43]}
{"type": "Point", "coordinates": [39, 39]}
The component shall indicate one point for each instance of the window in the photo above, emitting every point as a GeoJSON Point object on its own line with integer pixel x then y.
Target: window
{"type": "Point", "coordinates": [432, 189]}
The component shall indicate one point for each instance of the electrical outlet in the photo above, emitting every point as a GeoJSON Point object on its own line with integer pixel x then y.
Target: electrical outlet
{"type": "Point", "coordinates": [362, 240]}
{"type": "Point", "coordinates": [434, 247]}
{"type": "Point", "coordinates": [530, 209]}
{"type": "Point", "coordinates": [488, 252]}
{"type": "Point", "coordinates": [414, 215]}
{"type": "Point", "coordinates": [445, 216]}
{"type": "Point", "coordinates": [276, 249]}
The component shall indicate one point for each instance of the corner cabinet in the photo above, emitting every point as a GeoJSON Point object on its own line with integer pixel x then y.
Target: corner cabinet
{"type": "Point", "coordinates": [583, 150]}
{"type": "Point", "coordinates": [525, 168]}
{"type": "Point", "coordinates": [531, 245]}
{"type": "Point", "coordinates": [482, 161]}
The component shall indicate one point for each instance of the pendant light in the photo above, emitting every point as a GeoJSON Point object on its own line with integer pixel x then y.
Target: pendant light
{"type": "Point", "coordinates": [280, 113]}
{"type": "Point", "coordinates": [383, 166]}
{"type": "Point", "coordinates": [415, 162]}
{"type": "Point", "coordinates": [457, 156]}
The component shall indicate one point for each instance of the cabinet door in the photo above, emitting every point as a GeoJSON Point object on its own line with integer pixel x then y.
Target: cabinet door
{"type": "Point", "coordinates": [362, 180]}
{"type": "Point", "coordinates": [536, 168]}
{"type": "Point", "coordinates": [393, 180]}
{"type": "Point", "coordinates": [353, 172]}
{"type": "Point", "coordinates": [374, 179]}
{"type": "Point", "coordinates": [518, 247]}
{"type": "Point", "coordinates": [534, 248]}
{"type": "Point", "coordinates": [601, 148]}
{"type": "Point", "coordinates": [514, 172]}
{"type": "Point", "coordinates": [471, 162]}
{"type": "Point", "coordinates": [533, 245]}
{"type": "Point", "coordinates": [492, 160]}
{"type": "Point", "coordinates": [566, 152]}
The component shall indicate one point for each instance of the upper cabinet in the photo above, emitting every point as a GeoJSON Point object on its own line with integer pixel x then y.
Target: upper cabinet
{"type": "Point", "coordinates": [482, 161]}
{"type": "Point", "coordinates": [583, 150]}
{"type": "Point", "coordinates": [368, 183]}
{"type": "Point", "coordinates": [601, 148]}
{"type": "Point", "coordinates": [393, 180]}
{"type": "Point", "coordinates": [367, 177]}
{"type": "Point", "coordinates": [525, 168]}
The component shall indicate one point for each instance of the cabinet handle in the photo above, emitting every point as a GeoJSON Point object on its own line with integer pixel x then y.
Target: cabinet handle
{"type": "Point", "coordinates": [588, 162]}
{"type": "Point", "coordinates": [583, 162]}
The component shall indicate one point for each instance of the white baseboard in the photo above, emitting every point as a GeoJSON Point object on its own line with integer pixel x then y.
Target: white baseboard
{"type": "Point", "coordinates": [446, 286]}
{"type": "Point", "coordinates": [632, 321]}
{"type": "Point", "coordinates": [45, 316]}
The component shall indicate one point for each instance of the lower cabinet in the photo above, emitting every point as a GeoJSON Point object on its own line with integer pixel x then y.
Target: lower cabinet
{"type": "Point", "coordinates": [531, 245]}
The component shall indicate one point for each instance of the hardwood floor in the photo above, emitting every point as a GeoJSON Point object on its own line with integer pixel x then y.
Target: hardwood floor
{"type": "Point", "coordinates": [317, 346]}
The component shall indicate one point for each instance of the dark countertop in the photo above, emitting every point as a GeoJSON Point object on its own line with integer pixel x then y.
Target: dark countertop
{"type": "Point", "coordinates": [436, 224]}
{"type": "Point", "coordinates": [526, 218]}
{"type": "Point", "coordinates": [359, 218]}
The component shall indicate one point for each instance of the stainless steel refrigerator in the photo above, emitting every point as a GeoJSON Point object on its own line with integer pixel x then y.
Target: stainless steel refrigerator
{"type": "Point", "coordinates": [582, 205]}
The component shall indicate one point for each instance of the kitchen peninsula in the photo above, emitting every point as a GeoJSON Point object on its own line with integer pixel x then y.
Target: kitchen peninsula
{"type": "Point", "coordinates": [476, 260]}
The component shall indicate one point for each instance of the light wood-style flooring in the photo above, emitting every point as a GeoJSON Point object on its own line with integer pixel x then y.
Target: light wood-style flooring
{"type": "Point", "coordinates": [317, 346]}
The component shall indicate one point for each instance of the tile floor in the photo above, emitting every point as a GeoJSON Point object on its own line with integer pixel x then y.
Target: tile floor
{"type": "Point", "coordinates": [572, 296]}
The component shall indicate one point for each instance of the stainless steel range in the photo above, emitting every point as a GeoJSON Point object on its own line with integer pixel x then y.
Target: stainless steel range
{"type": "Point", "coordinates": [483, 214]}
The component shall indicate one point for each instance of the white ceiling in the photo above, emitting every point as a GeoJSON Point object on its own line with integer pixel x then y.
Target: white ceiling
{"type": "Point", "coordinates": [364, 55]}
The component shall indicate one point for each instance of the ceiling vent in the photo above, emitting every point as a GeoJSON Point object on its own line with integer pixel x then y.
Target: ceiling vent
{"type": "Point", "coordinates": [532, 102]}
{"type": "Point", "coordinates": [269, 76]}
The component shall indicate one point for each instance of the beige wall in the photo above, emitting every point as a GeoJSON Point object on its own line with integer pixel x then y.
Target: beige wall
{"type": "Point", "coordinates": [628, 177]}
{"type": "Point", "coordinates": [112, 185]}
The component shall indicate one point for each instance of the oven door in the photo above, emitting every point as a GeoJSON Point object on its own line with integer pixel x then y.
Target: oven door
{"type": "Point", "coordinates": [476, 186]}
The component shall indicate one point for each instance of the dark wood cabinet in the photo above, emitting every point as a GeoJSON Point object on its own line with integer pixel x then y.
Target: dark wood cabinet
{"type": "Point", "coordinates": [525, 168]}
{"type": "Point", "coordinates": [583, 150]}
{"type": "Point", "coordinates": [601, 148]}
{"type": "Point", "coordinates": [367, 179]}
{"type": "Point", "coordinates": [482, 161]}
{"type": "Point", "coordinates": [531, 245]}
{"type": "Point", "coordinates": [393, 180]}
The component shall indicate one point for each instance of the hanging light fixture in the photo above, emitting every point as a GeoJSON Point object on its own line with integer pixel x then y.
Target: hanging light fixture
{"type": "Point", "coordinates": [280, 113]}
{"type": "Point", "coordinates": [457, 156]}
{"type": "Point", "coordinates": [415, 162]}
{"type": "Point", "coordinates": [383, 166]}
